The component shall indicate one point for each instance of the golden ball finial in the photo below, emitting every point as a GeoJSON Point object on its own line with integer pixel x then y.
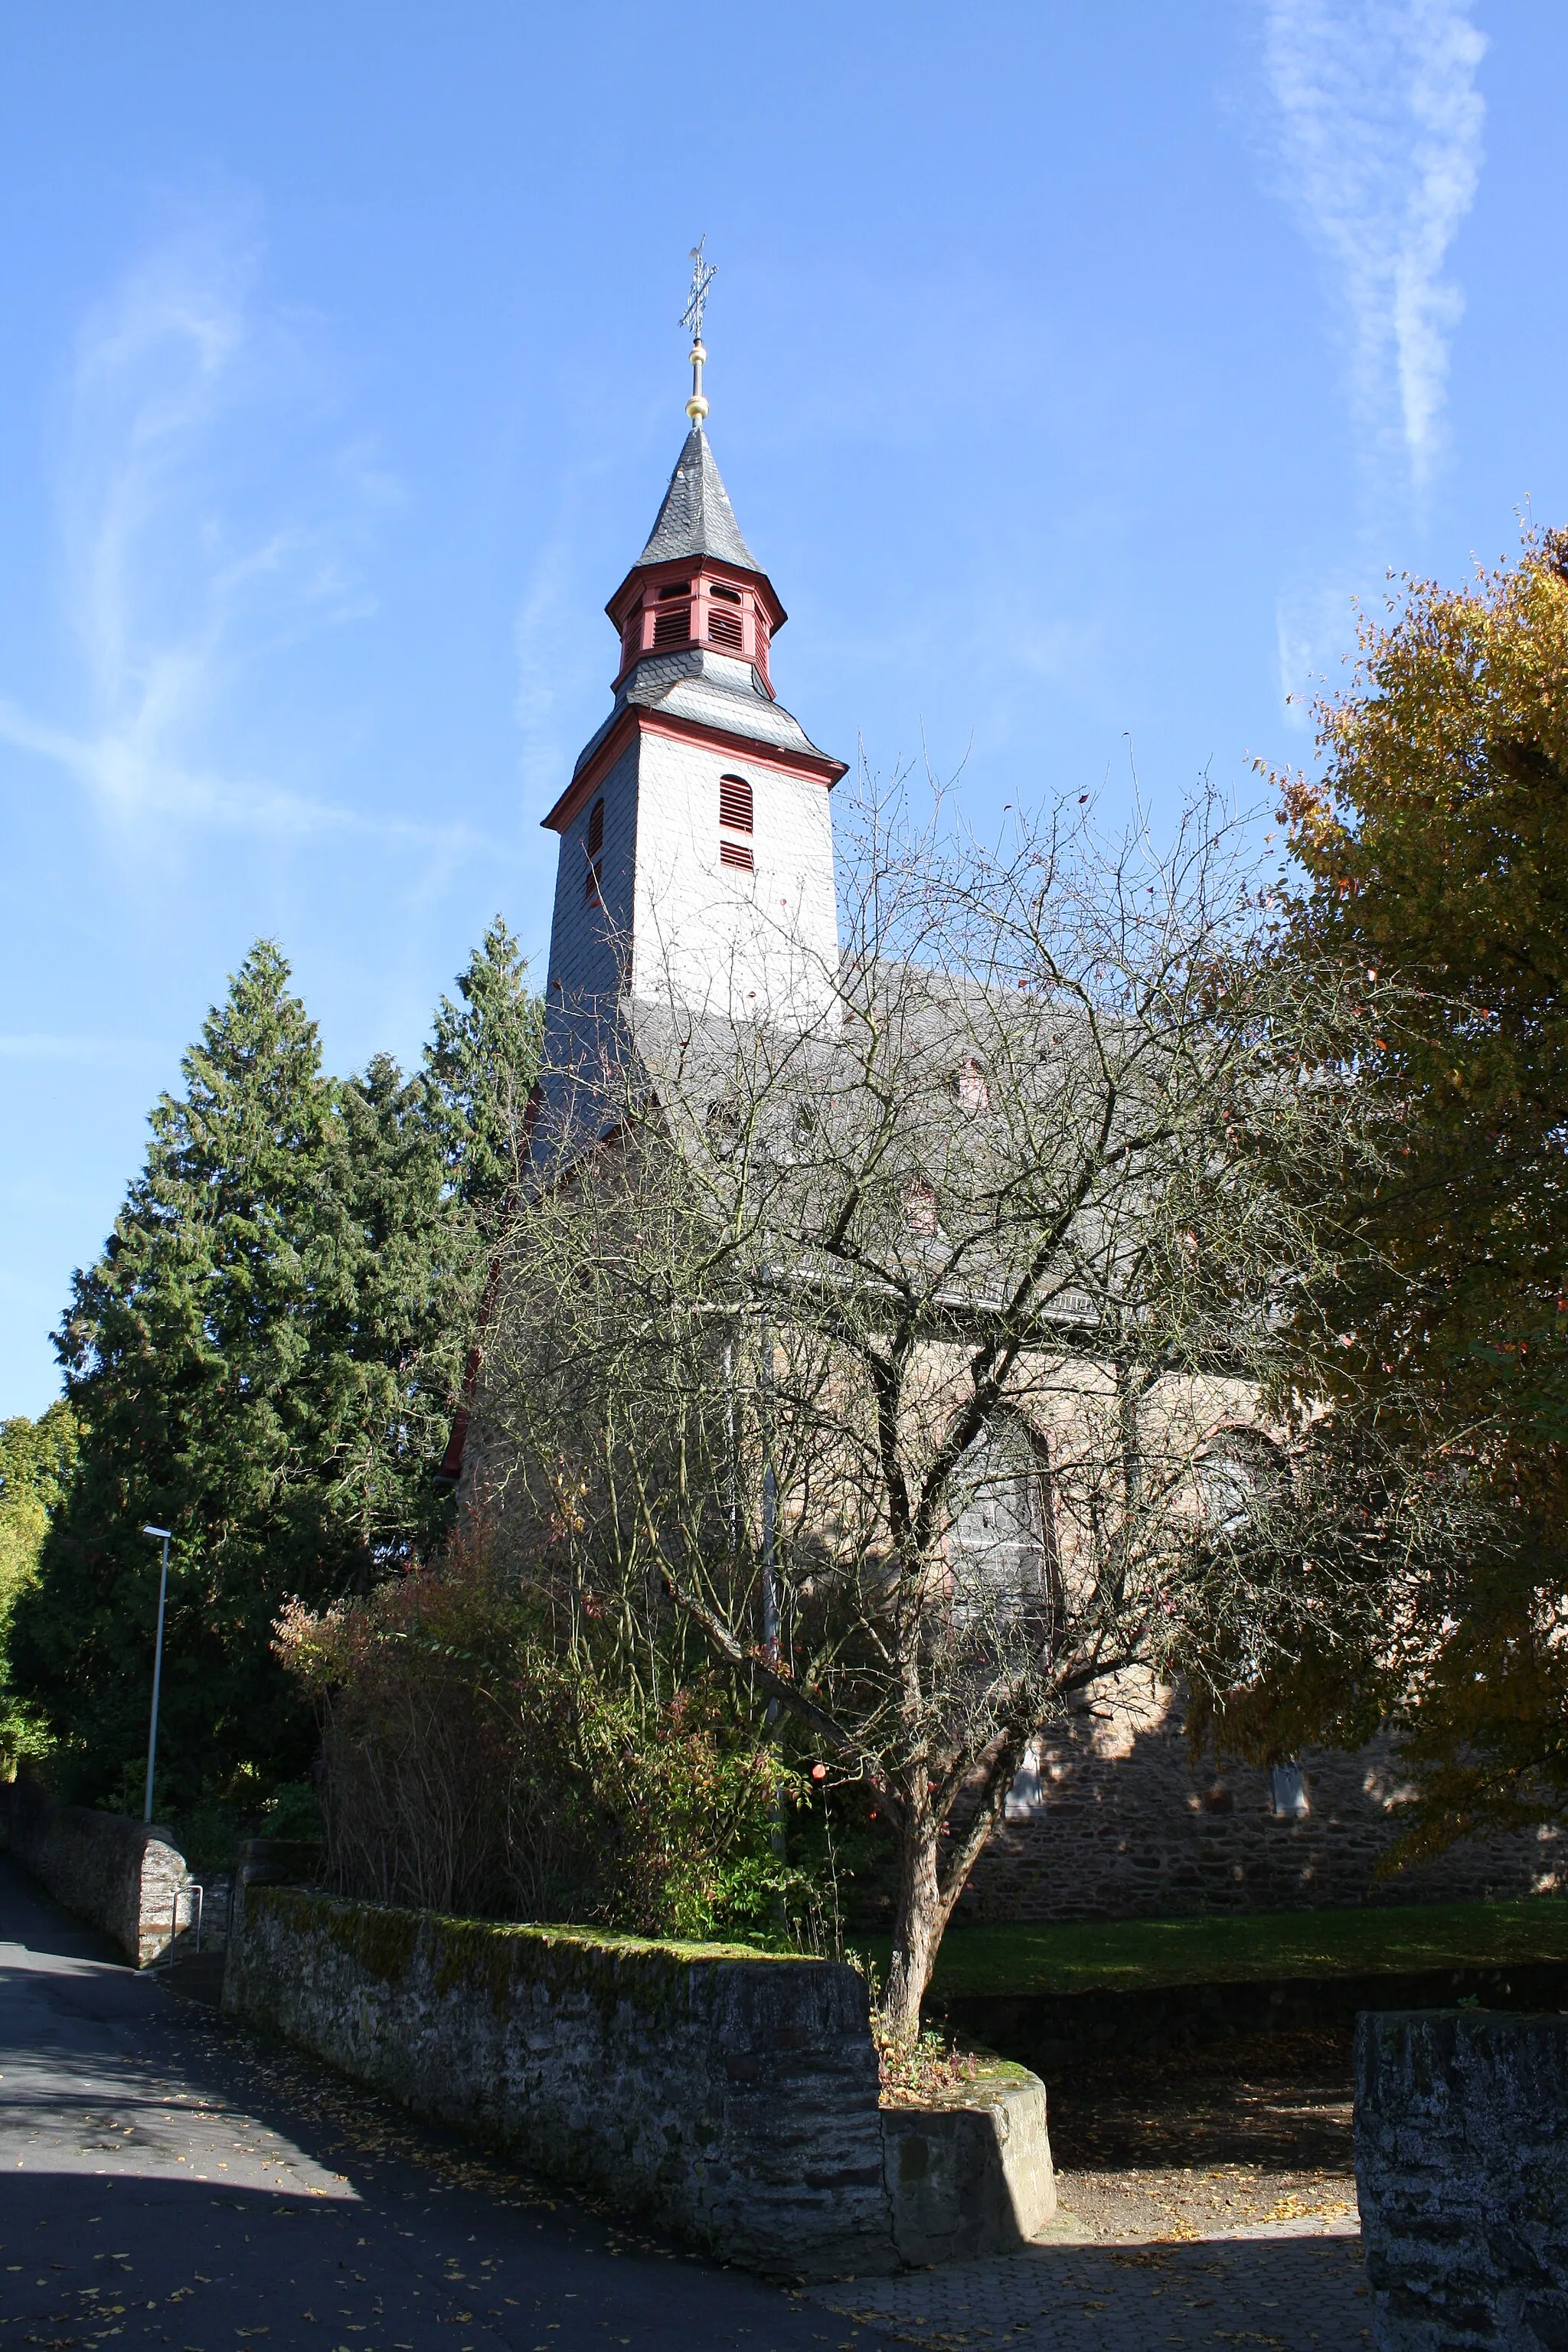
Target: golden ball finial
{"type": "Point", "coordinates": [696, 406]}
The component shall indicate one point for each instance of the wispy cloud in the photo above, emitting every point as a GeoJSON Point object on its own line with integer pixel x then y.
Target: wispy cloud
{"type": "Point", "coordinates": [206, 526]}
{"type": "Point", "coordinates": [1380, 126]}
{"type": "Point", "coordinates": [132, 773]}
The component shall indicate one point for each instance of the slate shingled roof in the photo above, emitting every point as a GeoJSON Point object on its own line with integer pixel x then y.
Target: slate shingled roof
{"type": "Point", "coordinates": [697, 517]}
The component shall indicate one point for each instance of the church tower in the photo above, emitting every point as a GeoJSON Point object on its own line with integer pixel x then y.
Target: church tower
{"type": "Point", "coordinates": [696, 866]}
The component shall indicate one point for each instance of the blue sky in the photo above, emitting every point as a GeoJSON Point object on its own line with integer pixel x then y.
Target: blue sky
{"type": "Point", "coordinates": [1071, 369]}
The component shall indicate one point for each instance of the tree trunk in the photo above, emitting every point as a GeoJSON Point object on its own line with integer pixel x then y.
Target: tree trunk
{"type": "Point", "coordinates": [918, 1917]}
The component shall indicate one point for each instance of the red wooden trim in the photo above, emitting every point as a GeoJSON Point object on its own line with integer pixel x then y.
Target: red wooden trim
{"type": "Point", "coordinates": [814, 767]}
{"type": "Point", "coordinates": [636, 601]}
{"type": "Point", "coordinates": [451, 1467]}
{"type": "Point", "coordinates": [693, 568]}
{"type": "Point", "coordinates": [593, 774]}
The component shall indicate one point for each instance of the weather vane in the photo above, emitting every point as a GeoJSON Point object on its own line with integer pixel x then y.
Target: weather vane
{"type": "Point", "coordinates": [703, 273]}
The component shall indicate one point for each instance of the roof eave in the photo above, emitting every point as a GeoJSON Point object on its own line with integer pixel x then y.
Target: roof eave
{"type": "Point", "coordinates": [673, 567]}
{"type": "Point", "coordinates": [635, 721]}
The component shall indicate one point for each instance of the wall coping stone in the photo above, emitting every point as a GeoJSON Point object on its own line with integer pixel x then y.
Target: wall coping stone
{"type": "Point", "coordinates": [972, 2174]}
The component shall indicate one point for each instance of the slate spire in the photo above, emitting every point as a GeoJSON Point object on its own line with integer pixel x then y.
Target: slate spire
{"type": "Point", "coordinates": [697, 517]}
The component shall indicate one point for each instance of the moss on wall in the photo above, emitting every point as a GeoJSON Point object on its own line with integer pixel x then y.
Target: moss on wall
{"type": "Point", "coordinates": [731, 2092]}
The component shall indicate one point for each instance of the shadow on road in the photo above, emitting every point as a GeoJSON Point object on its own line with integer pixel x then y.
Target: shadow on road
{"type": "Point", "coordinates": [28, 1917]}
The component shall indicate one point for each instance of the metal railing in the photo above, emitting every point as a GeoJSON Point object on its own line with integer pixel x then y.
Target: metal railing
{"type": "Point", "coordinates": [191, 1886]}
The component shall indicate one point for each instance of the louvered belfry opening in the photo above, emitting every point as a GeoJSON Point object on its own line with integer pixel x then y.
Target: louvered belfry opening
{"type": "Point", "coordinates": [596, 851]}
{"type": "Point", "coordinates": [724, 616]}
{"type": "Point", "coordinates": [736, 806]}
{"type": "Point", "coordinates": [672, 620]}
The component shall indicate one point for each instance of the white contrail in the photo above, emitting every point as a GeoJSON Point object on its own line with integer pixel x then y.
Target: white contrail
{"type": "Point", "coordinates": [1381, 146]}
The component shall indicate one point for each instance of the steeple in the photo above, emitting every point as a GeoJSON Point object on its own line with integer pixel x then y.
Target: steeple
{"type": "Point", "coordinates": [697, 517]}
{"type": "Point", "coordinates": [698, 587]}
{"type": "Point", "coordinates": [695, 878]}
{"type": "Point", "coordinates": [696, 837]}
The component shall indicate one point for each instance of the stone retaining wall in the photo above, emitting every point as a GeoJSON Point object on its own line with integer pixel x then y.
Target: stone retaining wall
{"type": "Point", "coordinates": [730, 2094]}
{"type": "Point", "coordinates": [1115, 1820]}
{"type": "Point", "coordinates": [1055, 2033]}
{"type": "Point", "coordinates": [1461, 2132]}
{"type": "Point", "coordinates": [122, 1875]}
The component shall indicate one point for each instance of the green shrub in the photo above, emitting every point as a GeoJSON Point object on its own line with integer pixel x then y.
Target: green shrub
{"type": "Point", "coordinates": [480, 1756]}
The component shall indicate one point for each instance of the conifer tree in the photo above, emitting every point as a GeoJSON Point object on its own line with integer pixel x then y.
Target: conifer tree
{"type": "Point", "coordinates": [187, 1357]}
{"type": "Point", "coordinates": [256, 1362]}
{"type": "Point", "coordinates": [266, 1359]}
{"type": "Point", "coordinates": [481, 1063]}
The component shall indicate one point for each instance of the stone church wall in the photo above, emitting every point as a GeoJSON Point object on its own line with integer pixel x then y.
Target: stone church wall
{"type": "Point", "coordinates": [1115, 1821]}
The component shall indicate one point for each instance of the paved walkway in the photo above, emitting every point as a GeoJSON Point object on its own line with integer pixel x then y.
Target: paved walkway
{"type": "Point", "coordinates": [1298, 2292]}
{"type": "Point", "coordinates": [165, 2180]}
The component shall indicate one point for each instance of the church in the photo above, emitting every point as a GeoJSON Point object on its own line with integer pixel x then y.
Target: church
{"type": "Point", "coordinates": [695, 870]}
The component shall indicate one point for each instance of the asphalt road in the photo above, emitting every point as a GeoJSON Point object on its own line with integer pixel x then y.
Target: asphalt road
{"type": "Point", "coordinates": [166, 2179]}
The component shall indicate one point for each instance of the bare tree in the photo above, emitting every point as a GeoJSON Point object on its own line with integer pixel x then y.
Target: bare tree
{"type": "Point", "coordinates": [911, 1347]}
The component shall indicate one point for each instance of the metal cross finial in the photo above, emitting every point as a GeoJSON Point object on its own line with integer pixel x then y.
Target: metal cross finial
{"type": "Point", "coordinates": [703, 273]}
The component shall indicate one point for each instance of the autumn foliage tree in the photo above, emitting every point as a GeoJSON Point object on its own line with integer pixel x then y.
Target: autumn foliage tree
{"type": "Point", "coordinates": [1432, 853]}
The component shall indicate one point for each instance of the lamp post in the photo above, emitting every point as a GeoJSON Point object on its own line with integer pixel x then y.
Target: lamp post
{"type": "Point", "coordinates": [770, 1574]}
{"type": "Point", "coordinates": [162, 1533]}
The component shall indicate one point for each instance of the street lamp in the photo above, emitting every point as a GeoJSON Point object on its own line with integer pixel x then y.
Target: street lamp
{"type": "Point", "coordinates": [769, 1550]}
{"type": "Point", "coordinates": [162, 1533]}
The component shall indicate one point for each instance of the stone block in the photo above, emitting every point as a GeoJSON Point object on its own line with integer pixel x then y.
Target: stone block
{"type": "Point", "coordinates": [973, 2177]}
{"type": "Point", "coordinates": [1461, 2130]}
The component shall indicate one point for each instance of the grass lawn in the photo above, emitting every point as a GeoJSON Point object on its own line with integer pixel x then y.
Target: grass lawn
{"type": "Point", "coordinates": [1129, 1955]}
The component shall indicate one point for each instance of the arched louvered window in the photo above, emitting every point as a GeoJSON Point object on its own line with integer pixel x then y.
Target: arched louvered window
{"type": "Point", "coordinates": [1241, 1475]}
{"type": "Point", "coordinates": [596, 845]}
{"type": "Point", "coordinates": [921, 1213]}
{"type": "Point", "coordinates": [736, 807]}
{"type": "Point", "coordinates": [737, 804]}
